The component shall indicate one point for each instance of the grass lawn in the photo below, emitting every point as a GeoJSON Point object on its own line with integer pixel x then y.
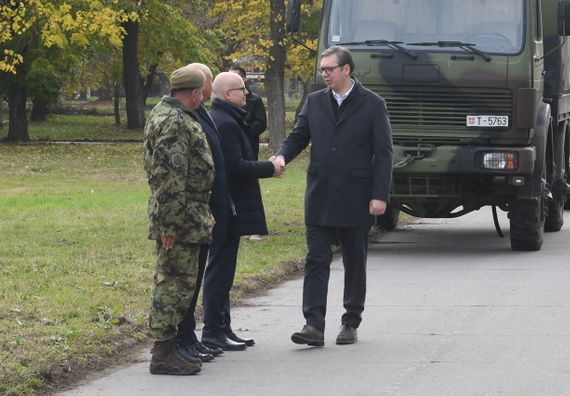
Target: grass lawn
{"type": "Point", "coordinates": [75, 264]}
{"type": "Point", "coordinates": [80, 127]}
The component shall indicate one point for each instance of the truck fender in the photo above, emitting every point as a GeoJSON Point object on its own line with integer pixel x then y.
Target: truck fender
{"type": "Point", "coordinates": [540, 139]}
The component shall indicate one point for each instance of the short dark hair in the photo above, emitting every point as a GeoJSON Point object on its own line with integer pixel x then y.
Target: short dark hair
{"type": "Point", "coordinates": [343, 55]}
{"type": "Point", "coordinates": [240, 70]}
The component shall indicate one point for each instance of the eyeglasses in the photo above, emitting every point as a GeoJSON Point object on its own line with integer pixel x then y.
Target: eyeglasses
{"type": "Point", "coordinates": [242, 89]}
{"type": "Point", "coordinates": [328, 69]}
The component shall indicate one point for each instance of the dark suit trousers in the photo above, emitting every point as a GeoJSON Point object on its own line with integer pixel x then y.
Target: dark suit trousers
{"type": "Point", "coordinates": [218, 282]}
{"type": "Point", "coordinates": [186, 328]}
{"type": "Point", "coordinates": [354, 243]}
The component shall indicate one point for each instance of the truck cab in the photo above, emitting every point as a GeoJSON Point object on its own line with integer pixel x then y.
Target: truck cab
{"type": "Point", "coordinates": [478, 97]}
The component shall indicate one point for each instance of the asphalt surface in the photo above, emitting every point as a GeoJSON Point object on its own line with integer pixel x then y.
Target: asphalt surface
{"type": "Point", "coordinates": [451, 310]}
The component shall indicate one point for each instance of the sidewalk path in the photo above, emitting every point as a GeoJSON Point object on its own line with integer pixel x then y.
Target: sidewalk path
{"type": "Point", "coordinates": [451, 310]}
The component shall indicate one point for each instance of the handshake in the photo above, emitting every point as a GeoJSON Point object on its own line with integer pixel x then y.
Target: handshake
{"type": "Point", "coordinates": [278, 165]}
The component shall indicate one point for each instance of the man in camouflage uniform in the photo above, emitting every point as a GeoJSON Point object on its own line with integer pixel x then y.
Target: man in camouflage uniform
{"type": "Point", "coordinates": [180, 171]}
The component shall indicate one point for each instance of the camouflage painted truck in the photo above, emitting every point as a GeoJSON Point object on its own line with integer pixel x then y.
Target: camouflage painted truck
{"type": "Point", "coordinates": [478, 93]}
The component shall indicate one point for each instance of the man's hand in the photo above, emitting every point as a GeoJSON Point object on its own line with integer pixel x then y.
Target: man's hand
{"type": "Point", "coordinates": [280, 160]}
{"type": "Point", "coordinates": [278, 164]}
{"type": "Point", "coordinates": [377, 207]}
{"type": "Point", "coordinates": [167, 241]}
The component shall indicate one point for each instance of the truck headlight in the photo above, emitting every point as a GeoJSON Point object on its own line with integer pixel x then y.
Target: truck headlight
{"type": "Point", "coordinates": [499, 160]}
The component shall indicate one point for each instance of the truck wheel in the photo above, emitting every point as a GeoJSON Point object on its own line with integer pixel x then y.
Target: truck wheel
{"type": "Point", "coordinates": [567, 198]}
{"type": "Point", "coordinates": [527, 223]}
{"type": "Point", "coordinates": [556, 179]}
{"type": "Point", "coordinates": [555, 213]}
{"type": "Point", "coordinates": [567, 195]}
{"type": "Point", "coordinates": [567, 167]}
{"type": "Point", "coordinates": [389, 220]}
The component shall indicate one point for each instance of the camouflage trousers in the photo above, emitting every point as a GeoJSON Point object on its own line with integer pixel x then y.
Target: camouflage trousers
{"type": "Point", "coordinates": [174, 284]}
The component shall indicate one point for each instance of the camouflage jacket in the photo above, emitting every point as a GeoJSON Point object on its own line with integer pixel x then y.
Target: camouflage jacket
{"type": "Point", "coordinates": [180, 170]}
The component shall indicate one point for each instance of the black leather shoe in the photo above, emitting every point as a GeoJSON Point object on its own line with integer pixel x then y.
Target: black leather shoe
{"type": "Point", "coordinates": [347, 335]}
{"type": "Point", "coordinates": [223, 342]}
{"type": "Point", "coordinates": [189, 352]}
{"type": "Point", "coordinates": [310, 335]}
{"type": "Point", "coordinates": [204, 349]}
{"type": "Point", "coordinates": [232, 336]}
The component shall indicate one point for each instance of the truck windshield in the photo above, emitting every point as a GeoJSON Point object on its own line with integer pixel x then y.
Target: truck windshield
{"type": "Point", "coordinates": [492, 26]}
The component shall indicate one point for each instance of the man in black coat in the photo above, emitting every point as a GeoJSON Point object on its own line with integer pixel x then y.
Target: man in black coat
{"type": "Point", "coordinates": [243, 172]}
{"type": "Point", "coordinates": [222, 209]}
{"type": "Point", "coordinates": [348, 182]}
{"type": "Point", "coordinates": [256, 118]}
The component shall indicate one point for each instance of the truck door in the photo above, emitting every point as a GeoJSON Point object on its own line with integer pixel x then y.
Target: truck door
{"type": "Point", "coordinates": [537, 37]}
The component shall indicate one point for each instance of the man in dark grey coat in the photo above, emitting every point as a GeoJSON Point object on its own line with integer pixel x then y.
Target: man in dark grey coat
{"type": "Point", "coordinates": [348, 182]}
{"type": "Point", "coordinates": [243, 172]}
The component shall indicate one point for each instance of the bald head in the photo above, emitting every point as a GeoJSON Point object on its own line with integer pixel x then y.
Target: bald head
{"type": "Point", "coordinates": [207, 91]}
{"type": "Point", "coordinates": [224, 81]}
{"type": "Point", "coordinates": [229, 86]}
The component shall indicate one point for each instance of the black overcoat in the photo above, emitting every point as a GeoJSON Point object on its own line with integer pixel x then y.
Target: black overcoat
{"type": "Point", "coordinates": [351, 156]}
{"type": "Point", "coordinates": [242, 169]}
{"type": "Point", "coordinates": [256, 120]}
{"type": "Point", "coordinates": [221, 203]}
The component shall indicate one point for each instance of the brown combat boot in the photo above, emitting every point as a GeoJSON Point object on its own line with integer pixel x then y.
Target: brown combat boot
{"type": "Point", "coordinates": [167, 360]}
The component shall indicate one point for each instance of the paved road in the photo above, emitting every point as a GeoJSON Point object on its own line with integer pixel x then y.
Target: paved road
{"type": "Point", "coordinates": [451, 310]}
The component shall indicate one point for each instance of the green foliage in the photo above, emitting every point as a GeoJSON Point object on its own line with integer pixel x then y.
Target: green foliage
{"type": "Point", "coordinates": [301, 58]}
{"type": "Point", "coordinates": [27, 25]}
{"type": "Point", "coordinates": [44, 82]}
{"type": "Point", "coordinates": [244, 25]}
{"type": "Point", "coordinates": [82, 41]}
{"type": "Point", "coordinates": [54, 30]}
{"type": "Point", "coordinates": [171, 38]}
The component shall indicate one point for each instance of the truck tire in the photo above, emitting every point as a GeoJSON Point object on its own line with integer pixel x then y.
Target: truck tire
{"type": "Point", "coordinates": [567, 167]}
{"type": "Point", "coordinates": [555, 213]}
{"type": "Point", "coordinates": [556, 179]}
{"type": "Point", "coordinates": [527, 224]}
{"type": "Point", "coordinates": [567, 181]}
{"type": "Point", "coordinates": [567, 195]}
{"type": "Point", "coordinates": [389, 220]}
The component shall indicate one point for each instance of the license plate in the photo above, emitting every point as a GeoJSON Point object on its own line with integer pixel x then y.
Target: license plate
{"type": "Point", "coordinates": [487, 121]}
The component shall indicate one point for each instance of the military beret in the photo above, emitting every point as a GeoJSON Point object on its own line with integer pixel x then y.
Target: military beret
{"type": "Point", "coordinates": [187, 78]}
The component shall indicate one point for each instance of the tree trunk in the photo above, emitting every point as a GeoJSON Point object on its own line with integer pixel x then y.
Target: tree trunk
{"type": "Point", "coordinates": [131, 77]}
{"type": "Point", "coordinates": [1, 112]}
{"type": "Point", "coordinates": [116, 109]}
{"type": "Point", "coordinates": [40, 112]}
{"type": "Point", "coordinates": [149, 80]}
{"type": "Point", "coordinates": [306, 88]}
{"type": "Point", "coordinates": [275, 75]}
{"type": "Point", "coordinates": [18, 127]}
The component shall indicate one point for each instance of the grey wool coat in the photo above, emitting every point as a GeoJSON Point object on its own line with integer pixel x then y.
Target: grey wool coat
{"type": "Point", "coordinates": [351, 156]}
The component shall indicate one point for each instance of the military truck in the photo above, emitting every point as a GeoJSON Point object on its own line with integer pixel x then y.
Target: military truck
{"type": "Point", "coordinates": [478, 93]}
